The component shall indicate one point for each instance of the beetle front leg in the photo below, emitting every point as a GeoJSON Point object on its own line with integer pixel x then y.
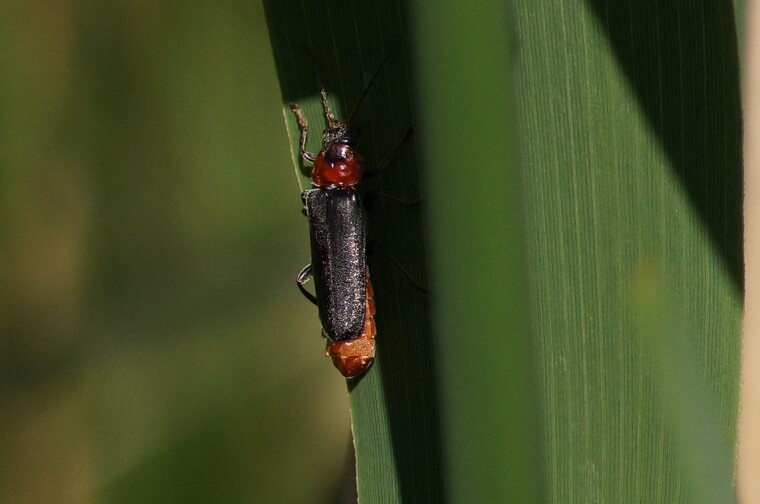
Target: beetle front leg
{"type": "Point", "coordinates": [303, 127]}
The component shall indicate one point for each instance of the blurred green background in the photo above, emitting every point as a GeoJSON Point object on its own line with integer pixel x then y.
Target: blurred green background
{"type": "Point", "coordinates": [154, 347]}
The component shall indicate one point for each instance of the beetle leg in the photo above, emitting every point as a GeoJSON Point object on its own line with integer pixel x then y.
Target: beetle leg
{"type": "Point", "coordinates": [403, 202]}
{"type": "Point", "coordinates": [390, 155]}
{"type": "Point", "coordinates": [303, 128]}
{"type": "Point", "coordinates": [370, 197]}
{"type": "Point", "coordinates": [304, 276]}
{"type": "Point", "coordinates": [304, 210]}
{"type": "Point", "coordinates": [375, 246]}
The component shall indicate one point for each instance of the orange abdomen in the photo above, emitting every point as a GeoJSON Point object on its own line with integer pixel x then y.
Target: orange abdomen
{"type": "Point", "coordinates": [353, 357]}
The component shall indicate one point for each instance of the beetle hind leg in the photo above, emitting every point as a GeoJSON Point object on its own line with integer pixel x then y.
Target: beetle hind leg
{"type": "Point", "coordinates": [304, 276]}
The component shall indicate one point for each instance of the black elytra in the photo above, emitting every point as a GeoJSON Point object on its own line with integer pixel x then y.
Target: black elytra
{"type": "Point", "coordinates": [337, 224]}
{"type": "Point", "coordinates": [338, 230]}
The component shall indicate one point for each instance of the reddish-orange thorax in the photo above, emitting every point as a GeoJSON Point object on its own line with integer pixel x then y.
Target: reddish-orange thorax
{"type": "Point", "coordinates": [337, 165]}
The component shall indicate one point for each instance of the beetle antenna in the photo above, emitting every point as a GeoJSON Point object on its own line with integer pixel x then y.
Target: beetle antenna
{"type": "Point", "coordinates": [371, 82]}
{"type": "Point", "coordinates": [325, 103]}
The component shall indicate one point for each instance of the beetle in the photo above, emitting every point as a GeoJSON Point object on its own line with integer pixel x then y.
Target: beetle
{"type": "Point", "coordinates": [338, 234]}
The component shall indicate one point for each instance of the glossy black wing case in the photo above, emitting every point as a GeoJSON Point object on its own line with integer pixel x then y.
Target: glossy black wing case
{"type": "Point", "coordinates": [338, 228]}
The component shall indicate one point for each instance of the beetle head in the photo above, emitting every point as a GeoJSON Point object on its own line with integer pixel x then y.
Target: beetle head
{"type": "Point", "coordinates": [341, 133]}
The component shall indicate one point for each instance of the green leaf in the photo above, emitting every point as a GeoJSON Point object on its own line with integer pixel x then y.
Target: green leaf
{"type": "Point", "coordinates": [630, 136]}
{"type": "Point", "coordinates": [489, 391]}
{"type": "Point", "coordinates": [687, 412]}
{"type": "Point", "coordinates": [563, 145]}
{"type": "Point", "coordinates": [394, 407]}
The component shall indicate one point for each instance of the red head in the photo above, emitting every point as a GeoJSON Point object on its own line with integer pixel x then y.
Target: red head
{"type": "Point", "coordinates": [338, 164]}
